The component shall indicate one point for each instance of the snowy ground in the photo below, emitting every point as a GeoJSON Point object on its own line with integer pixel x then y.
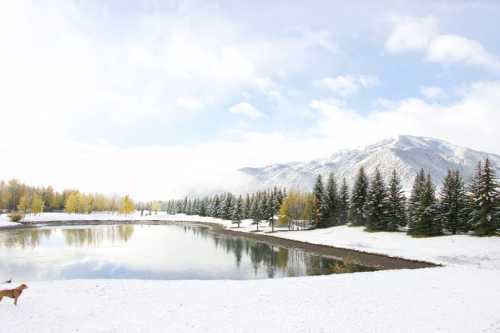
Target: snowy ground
{"type": "Point", "coordinates": [462, 297]}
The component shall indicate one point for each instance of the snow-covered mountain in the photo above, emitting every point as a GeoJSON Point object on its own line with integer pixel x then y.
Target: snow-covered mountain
{"type": "Point", "coordinates": [407, 154]}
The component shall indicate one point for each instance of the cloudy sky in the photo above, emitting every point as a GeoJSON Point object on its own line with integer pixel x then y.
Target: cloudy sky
{"type": "Point", "coordinates": [153, 97]}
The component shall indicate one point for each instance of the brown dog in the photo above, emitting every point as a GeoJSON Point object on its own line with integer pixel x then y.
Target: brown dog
{"type": "Point", "coordinates": [13, 293]}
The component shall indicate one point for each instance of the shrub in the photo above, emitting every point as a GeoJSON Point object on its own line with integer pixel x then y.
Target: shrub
{"type": "Point", "coordinates": [16, 216]}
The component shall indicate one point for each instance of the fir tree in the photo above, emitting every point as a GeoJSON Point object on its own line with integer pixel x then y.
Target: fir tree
{"type": "Point", "coordinates": [256, 213]}
{"type": "Point", "coordinates": [396, 201]}
{"type": "Point", "coordinates": [484, 215]}
{"type": "Point", "coordinates": [357, 211]}
{"type": "Point", "coordinates": [426, 222]}
{"type": "Point", "coordinates": [416, 193]}
{"type": "Point", "coordinates": [376, 204]}
{"type": "Point", "coordinates": [343, 204]}
{"type": "Point", "coordinates": [227, 208]}
{"type": "Point", "coordinates": [238, 211]}
{"type": "Point", "coordinates": [331, 202]}
{"type": "Point", "coordinates": [318, 206]}
{"type": "Point", "coordinates": [452, 204]}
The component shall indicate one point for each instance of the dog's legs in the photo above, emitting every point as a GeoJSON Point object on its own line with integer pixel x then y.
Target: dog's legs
{"type": "Point", "coordinates": [15, 301]}
{"type": "Point", "coordinates": [1, 298]}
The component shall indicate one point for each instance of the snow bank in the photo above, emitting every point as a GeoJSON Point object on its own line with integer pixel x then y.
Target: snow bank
{"type": "Point", "coordinates": [427, 300]}
{"type": "Point", "coordinates": [5, 221]}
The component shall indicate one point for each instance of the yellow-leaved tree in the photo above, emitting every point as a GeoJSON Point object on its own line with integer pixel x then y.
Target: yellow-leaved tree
{"type": "Point", "coordinates": [72, 203]}
{"type": "Point", "coordinates": [37, 204]}
{"type": "Point", "coordinates": [127, 205]}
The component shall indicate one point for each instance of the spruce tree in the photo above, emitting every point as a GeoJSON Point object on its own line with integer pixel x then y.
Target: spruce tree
{"type": "Point", "coordinates": [484, 213]}
{"type": "Point", "coordinates": [318, 205]}
{"type": "Point", "coordinates": [357, 210]}
{"type": "Point", "coordinates": [376, 204]}
{"type": "Point", "coordinates": [396, 201]}
{"type": "Point", "coordinates": [256, 211]}
{"type": "Point", "coordinates": [343, 206]}
{"type": "Point", "coordinates": [331, 202]}
{"type": "Point", "coordinates": [227, 207]}
{"type": "Point", "coordinates": [416, 193]}
{"type": "Point", "coordinates": [452, 203]}
{"type": "Point", "coordinates": [426, 220]}
{"type": "Point", "coordinates": [237, 215]}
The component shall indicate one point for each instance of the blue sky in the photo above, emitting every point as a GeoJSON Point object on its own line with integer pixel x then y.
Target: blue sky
{"type": "Point", "coordinates": [176, 90]}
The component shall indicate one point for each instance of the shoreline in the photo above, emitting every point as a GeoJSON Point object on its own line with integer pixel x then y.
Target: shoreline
{"type": "Point", "coordinates": [374, 260]}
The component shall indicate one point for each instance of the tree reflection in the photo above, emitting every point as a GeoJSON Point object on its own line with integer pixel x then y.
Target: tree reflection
{"type": "Point", "coordinates": [26, 238]}
{"type": "Point", "coordinates": [93, 237]}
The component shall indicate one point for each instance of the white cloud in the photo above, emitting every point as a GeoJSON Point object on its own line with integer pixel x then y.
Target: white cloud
{"type": "Point", "coordinates": [412, 34]}
{"type": "Point", "coordinates": [422, 35]}
{"type": "Point", "coordinates": [433, 92]}
{"type": "Point", "coordinates": [345, 85]}
{"type": "Point", "coordinates": [246, 109]}
{"type": "Point", "coordinates": [457, 49]}
{"type": "Point", "coordinates": [466, 122]}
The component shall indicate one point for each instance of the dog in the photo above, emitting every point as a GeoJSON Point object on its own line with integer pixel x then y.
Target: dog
{"type": "Point", "coordinates": [13, 293]}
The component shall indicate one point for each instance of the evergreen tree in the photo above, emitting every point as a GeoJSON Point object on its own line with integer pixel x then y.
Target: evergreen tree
{"type": "Point", "coordinates": [485, 215]}
{"type": "Point", "coordinates": [318, 206]}
{"type": "Point", "coordinates": [331, 202]}
{"type": "Point", "coordinates": [376, 204]}
{"type": "Point", "coordinates": [357, 211]}
{"type": "Point", "coordinates": [452, 204]}
{"type": "Point", "coordinates": [416, 193]}
{"type": "Point", "coordinates": [227, 208]}
{"type": "Point", "coordinates": [426, 217]}
{"type": "Point", "coordinates": [238, 211]}
{"type": "Point", "coordinates": [343, 204]}
{"type": "Point", "coordinates": [256, 212]}
{"type": "Point", "coordinates": [396, 201]}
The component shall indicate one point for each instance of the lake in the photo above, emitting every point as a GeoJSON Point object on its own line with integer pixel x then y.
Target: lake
{"type": "Point", "coordinates": [139, 251]}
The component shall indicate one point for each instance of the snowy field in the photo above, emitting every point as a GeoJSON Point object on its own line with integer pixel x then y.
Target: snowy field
{"type": "Point", "coordinates": [462, 297]}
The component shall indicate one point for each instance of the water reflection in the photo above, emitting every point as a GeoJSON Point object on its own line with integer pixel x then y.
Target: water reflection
{"type": "Point", "coordinates": [95, 237]}
{"type": "Point", "coordinates": [151, 252]}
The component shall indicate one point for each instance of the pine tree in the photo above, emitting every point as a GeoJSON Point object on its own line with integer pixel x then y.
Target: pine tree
{"type": "Point", "coordinates": [416, 193]}
{"type": "Point", "coordinates": [238, 211]}
{"type": "Point", "coordinates": [426, 217]}
{"type": "Point", "coordinates": [376, 204]}
{"type": "Point", "coordinates": [485, 215]}
{"type": "Point", "coordinates": [357, 211]}
{"type": "Point", "coordinates": [343, 204]}
{"type": "Point", "coordinates": [227, 207]}
{"type": "Point", "coordinates": [331, 202]}
{"type": "Point", "coordinates": [256, 212]}
{"type": "Point", "coordinates": [452, 204]}
{"type": "Point", "coordinates": [318, 206]}
{"type": "Point", "coordinates": [396, 201]}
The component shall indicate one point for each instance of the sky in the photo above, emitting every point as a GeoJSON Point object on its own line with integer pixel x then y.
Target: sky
{"type": "Point", "coordinates": [159, 99]}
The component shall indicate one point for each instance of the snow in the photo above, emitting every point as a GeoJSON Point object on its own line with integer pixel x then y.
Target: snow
{"type": "Point", "coordinates": [5, 221]}
{"type": "Point", "coordinates": [405, 153]}
{"type": "Point", "coordinates": [427, 300]}
{"type": "Point", "coordinates": [461, 297]}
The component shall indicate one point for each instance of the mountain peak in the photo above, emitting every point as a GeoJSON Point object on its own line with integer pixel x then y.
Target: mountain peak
{"type": "Point", "coordinates": [404, 153]}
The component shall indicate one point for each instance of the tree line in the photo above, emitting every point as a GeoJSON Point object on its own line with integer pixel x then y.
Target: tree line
{"type": "Point", "coordinates": [260, 206]}
{"type": "Point", "coordinates": [381, 205]}
{"type": "Point", "coordinates": [22, 199]}
{"type": "Point", "coordinates": [375, 203]}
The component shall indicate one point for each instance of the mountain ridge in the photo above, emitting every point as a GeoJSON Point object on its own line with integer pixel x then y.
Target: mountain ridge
{"type": "Point", "coordinates": [405, 153]}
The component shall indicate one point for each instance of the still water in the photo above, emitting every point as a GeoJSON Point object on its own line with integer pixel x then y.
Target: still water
{"type": "Point", "coordinates": [147, 252]}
